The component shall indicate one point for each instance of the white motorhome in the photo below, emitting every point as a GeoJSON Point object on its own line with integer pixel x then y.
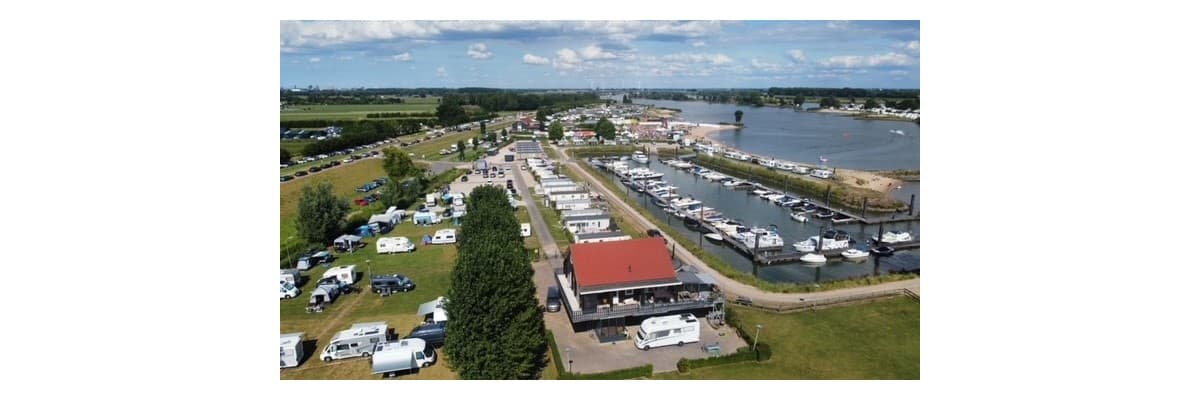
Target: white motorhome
{"type": "Point", "coordinates": [390, 245]}
{"type": "Point", "coordinates": [668, 330]}
{"type": "Point", "coordinates": [344, 274]}
{"type": "Point", "coordinates": [434, 311]}
{"type": "Point", "coordinates": [525, 231]}
{"type": "Point", "coordinates": [821, 173]}
{"type": "Point", "coordinates": [431, 200]}
{"type": "Point", "coordinates": [288, 290]}
{"type": "Point", "coordinates": [291, 349]}
{"type": "Point", "coordinates": [444, 236]}
{"type": "Point", "coordinates": [359, 340]}
{"type": "Point", "coordinates": [405, 355]}
{"type": "Point", "coordinates": [291, 276]}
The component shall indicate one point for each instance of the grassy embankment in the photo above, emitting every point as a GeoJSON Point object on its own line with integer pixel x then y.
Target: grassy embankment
{"type": "Point", "coordinates": [840, 194]}
{"type": "Point", "coordinates": [354, 112]}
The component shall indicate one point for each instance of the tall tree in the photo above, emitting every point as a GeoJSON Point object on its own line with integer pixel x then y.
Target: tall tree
{"type": "Point", "coordinates": [556, 131]}
{"type": "Point", "coordinates": [829, 102]}
{"type": "Point", "coordinates": [483, 127]}
{"type": "Point", "coordinates": [737, 116]}
{"type": "Point", "coordinates": [320, 213]}
{"type": "Point", "coordinates": [462, 150]}
{"type": "Point", "coordinates": [497, 331]}
{"type": "Point", "coordinates": [871, 103]}
{"type": "Point", "coordinates": [397, 165]}
{"type": "Point", "coordinates": [625, 99]}
{"type": "Point", "coordinates": [799, 100]}
{"type": "Point", "coordinates": [474, 143]}
{"type": "Point", "coordinates": [605, 129]}
{"type": "Point", "coordinates": [400, 193]}
{"type": "Point", "coordinates": [284, 156]}
{"type": "Point", "coordinates": [451, 113]}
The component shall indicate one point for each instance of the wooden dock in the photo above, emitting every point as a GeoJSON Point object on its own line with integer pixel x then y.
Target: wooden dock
{"type": "Point", "coordinates": [790, 257]}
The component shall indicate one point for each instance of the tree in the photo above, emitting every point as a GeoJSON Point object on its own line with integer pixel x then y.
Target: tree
{"type": "Point", "coordinates": [451, 113]}
{"type": "Point", "coordinates": [871, 103]}
{"type": "Point", "coordinates": [799, 100]}
{"type": "Point", "coordinates": [462, 150]}
{"type": "Point", "coordinates": [400, 193]}
{"type": "Point", "coordinates": [541, 115]}
{"type": "Point", "coordinates": [483, 127]}
{"type": "Point", "coordinates": [497, 331]}
{"type": "Point", "coordinates": [605, 129]}
{"type": "Point", "coordinates": [625, 99]}
{"type": "Point", "coordinates": [474, 143]}
{"type": "Point", "coordinates": [320, 213]}
{"type": "Point", "coordinates": [737, 116]}
{"type": "Point", "coordinates": [284, 156]}
{"type": "Point", "coordinates": [556, 131]}
{"type": "Point", "coordinates": [397, 165]}
{"type": "Point", "coordinates": [829, 102]}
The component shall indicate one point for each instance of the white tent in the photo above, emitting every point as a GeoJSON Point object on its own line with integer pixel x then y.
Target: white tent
{"type": "Point", "coordinates": [434, 310]}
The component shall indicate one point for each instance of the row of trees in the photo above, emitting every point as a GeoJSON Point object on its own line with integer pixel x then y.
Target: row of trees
{"type": "Point", "coordinates": [496, 331]}
{"type": "Point", "coordinates": [513, 101]}
{"type": "Point", "coordinates": [604, 129]}
{"type": "Point", "coordinates": [845, 92]}
{"type": "Point", "coordinates": [407, 125]}
{"type": "Point", "coordinates": [402, 115]}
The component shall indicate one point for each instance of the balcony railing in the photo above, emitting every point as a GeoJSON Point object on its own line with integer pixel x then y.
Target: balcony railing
{"type": "Point", "coordinates": [629, 310]}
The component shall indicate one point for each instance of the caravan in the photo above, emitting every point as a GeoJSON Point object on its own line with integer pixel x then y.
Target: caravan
{"type": "Point", "coordinates": [405, 355]}
{"type": "Point", "coordinates": [389, 245]}
{"type": "Point", "coordinates": [443, 236]}
{"type": "Point", "coordinates": [668, 330]}
{"type": "Point", "coordinates": [525, 231]}
{"type": "Point", "coordinates": [291, 349]}
{"type": "Point", "coordinates": [359, 340]}
{"type": "Point", "coordinates": [344, 274]}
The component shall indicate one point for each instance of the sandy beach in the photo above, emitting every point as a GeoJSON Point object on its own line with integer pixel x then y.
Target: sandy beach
{"type": "Point", "coordinates": [704, 132]}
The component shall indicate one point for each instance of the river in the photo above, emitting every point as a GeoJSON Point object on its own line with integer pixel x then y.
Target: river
{"type": "Point", "coordinates": [752, 210]}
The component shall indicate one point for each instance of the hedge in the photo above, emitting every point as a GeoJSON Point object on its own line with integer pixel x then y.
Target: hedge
{"type": "Point", "coordinates": [557, 359]}
{"type": "Point", "coordinates": [630, 373]}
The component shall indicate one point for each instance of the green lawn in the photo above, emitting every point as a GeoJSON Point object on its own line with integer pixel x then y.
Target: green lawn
{"type": "Point", "coordinates": [355, 111]}
{"type": "Point", "coordinates": [551, 218]}
{"type": "Point", "coordinates": [295, 147]}
{"type": "Point", "coordinates": [878, 340]}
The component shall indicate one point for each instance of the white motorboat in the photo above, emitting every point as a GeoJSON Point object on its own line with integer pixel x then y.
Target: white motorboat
{"type": "Point", "coordinates": [813, 258]}
{"type": "Point", "coordinates": [774, 196]}
{"type": "Point", "coordinates": [805, 246]}
{"type": "Point", "coordinates": [831, 240]}
{"type": "Point", "coordinates": [799, 217]}
{"type": "Point", "coordinates": [893, 237]}
{"type": "Point", "coordinates": [732, 183]}
{"type": "Point", "coordinates": [897, 131]}
{"type": "Point", "coordinates": [767, 239]}
{"type": "Point", "coordinates": [759, 192]}
{"type": "Point", "coordinates": [640, 158]}
{"type": "Point", "coordinates": [683, 165]}
{"type": "Point", "coordinates": [684, 202]}
{"type": "Point", "coordinates": [854, 254]}
{"type": "Point", "coordinates": [787, 201]}
{"type": "Point", "coordinates": [716, 237]}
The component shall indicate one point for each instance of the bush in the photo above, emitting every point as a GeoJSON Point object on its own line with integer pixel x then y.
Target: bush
{"type": "Point", "coordinates": [644, 371]}
{"type": "Point", "coordinates": [558, 364]}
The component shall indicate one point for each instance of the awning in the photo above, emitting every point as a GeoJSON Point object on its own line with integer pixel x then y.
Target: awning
{"type": "Point", "coordinates": [427, 308]}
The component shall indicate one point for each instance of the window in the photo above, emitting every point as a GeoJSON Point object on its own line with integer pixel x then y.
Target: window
{"type": "Point", "coordinates": [341, 347]}
{"type": "Point", "coordinates": [629, 292]}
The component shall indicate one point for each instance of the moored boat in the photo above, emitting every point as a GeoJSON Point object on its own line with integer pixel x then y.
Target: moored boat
{"type": "Point", "coordinates": [813, 258]}
{"type": "Point", "coordinates": [799, 217]}
{"type": "Point", "coordinates": [853, 254]}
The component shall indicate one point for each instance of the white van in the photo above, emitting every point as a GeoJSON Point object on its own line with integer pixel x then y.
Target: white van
{"type": "Point", "coordinates": [525, 231]}
{"type": "Point", "coordinates": [668, 330]}
{"type": "Point", "coordinates": [288, 290]}
{"type": "Point", "coordinates": [405, 355]}
{"type": "Point", "coordinates": [444, 236]}
{"type": "Point", "coordinates": [390, 245]}
{"type": "Point", "coordinates": [344, 274]}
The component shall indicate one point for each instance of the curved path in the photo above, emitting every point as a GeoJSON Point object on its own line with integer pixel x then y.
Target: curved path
{"type": "Point", "coordinates": [731, 287]}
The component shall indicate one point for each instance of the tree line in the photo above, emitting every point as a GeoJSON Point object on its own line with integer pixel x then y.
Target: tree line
{"type": "Point", "coordinates": [402, 115]}
{"type": "Point", "coordinates": [410, 125]}
{"type": "Point", "coordinates": [845, 92]}
{"type": "Point", "coordinates": [497, 330]}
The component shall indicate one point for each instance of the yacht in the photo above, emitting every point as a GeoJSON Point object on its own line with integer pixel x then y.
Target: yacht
{"type": "Point", "coordinates": [830, 240]}
{"type": "Point", "coordinates": [729, 226]}
{"type": "Point", "coordinates": [759, 192]}
{"type": "Point", "coordinates": [683, 165]}
{"type": "Point", "coordinates": [732, 183]}
{"type": "Point", "coordinates": [825, 214]}
{"type": "Point", "coordinates": [890, 237]}
{"type": "Point", "coordinates": [774, 197]}
{"type": "Point", "coordinates": [640, 158]}
{"type": "Point", "coordinates": [799, 217]}
{"type": "Point", "coordinates": [787, 201]}
{"type": "Point", "coordinates": [854, 254]}
{"type": "Point", "coordinates": [813, 258]}
{"type": "Point", "coordinates": [768, 239]}
{"type": "Point", "coordinates": [716, 237]}
{"type": "Point", "coordinates": [883, 251]}
{"type": "Point", "coordinates": [684, 202]}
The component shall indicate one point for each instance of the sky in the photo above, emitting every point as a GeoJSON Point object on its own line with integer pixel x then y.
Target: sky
{"type": "Point", "coordinates": [600, 54]}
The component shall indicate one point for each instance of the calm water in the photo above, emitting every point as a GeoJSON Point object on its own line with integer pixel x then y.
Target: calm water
{"type": "Point", "coordinates": [806, 136]}
{"type": "Point", "coordinates": [752, 210]}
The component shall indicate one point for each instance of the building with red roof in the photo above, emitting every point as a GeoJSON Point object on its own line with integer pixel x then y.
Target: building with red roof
{"type": "Point", "coordinates": [605, 283]}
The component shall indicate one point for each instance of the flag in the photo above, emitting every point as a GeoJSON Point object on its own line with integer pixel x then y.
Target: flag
{"type": "Point", "coordinates": [823, 159]}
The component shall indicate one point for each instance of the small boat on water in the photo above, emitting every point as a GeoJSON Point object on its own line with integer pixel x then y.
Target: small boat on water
{"type": "Point", "coordinates": [759, 192]}
{"type": "Point", "coordinates": [799, 217]}
{"type": "Point", "coordinates": [825, 214]}
{"type": "Point", "coordinates": [883, 250]}
{"type": "Point", "coordinates": [813, 258]}
{"type": "Point", "coordinates": [890, 237]}
{"type": "Point", "coordinates": [732, 183]}
{"type": "Point", "coordinates": [897, 131]}
{"type": "Point", "coordinates": [640, 158]}
{"type": "Point", "coordinates": [773, 196]}
{"type": "Point", "coordinates": [787, 201]}
{"type": "Point", "coordinates": [660, 203]}
{"type": "Point", "coordinates": [716, 237]}
{"type": "Point", "coordinates": [853, 254]}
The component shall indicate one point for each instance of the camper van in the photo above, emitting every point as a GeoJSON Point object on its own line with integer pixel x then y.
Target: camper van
{"type": "Point", "coordinates": [444, 236]}
{"type": "Point", "coordinates": [426, 218]}
{"type": "Point", "coordinates": [821, 173]}
{"type": "Point", "coordinates": [525, 231]}
{"type": "Point", "coordinates": [291, 349]}
{"type": "Point", "coordinates": [291, 276]}
{"type": "Point", "coordinates": [431, 200]}
{"type": "Point", "coordinates": [390, 245]}
{"type": "Point", "coordinates": [405, 355]}
{"type": "Point", "coordinates": [359, 340]}
{"type": "Point", "coordinates": [288, 290]}
{"type": "Point", "coordinates": [344, 274]}
{"type": "Point", "coordinates": [668, 330]}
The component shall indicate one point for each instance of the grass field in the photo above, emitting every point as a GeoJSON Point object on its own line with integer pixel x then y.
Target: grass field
{"type": "Point", "coordinates": [356, 111]}
{"type": "Point", "coordinates": [878, 340]}
{"type": "Point", "coordinates": [295, 147]}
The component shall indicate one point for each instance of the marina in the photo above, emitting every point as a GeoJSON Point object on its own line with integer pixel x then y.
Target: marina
{"type": "Point", "coordinates": [694, 199]}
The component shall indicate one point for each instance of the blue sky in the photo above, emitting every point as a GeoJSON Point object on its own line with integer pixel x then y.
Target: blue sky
{"type": "Point", "coordinates": [582, 54]}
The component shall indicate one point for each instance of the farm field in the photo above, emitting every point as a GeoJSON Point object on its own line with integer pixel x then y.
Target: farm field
{"type": "Point", "coordinates": [355, 111]}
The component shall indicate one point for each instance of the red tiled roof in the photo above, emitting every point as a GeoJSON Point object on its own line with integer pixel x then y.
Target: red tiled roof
{"type": "Point", "coordinates": [622, 263]}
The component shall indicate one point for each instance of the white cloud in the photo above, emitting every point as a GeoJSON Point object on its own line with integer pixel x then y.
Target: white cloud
{"type": "Point", "coordinates": [314, 60]}
{"type": "Point", "coordinates": [441, 72]}
{"type": "Point", "coordinates": [403, 57]}
{"type": "Point", "coordinates": [891, 59]}
{"type": "Point", "coordinates": [593, 52]}
{"type": "Point", "coordinates": [797, 55]}
{"type": "Point", "coordinates": [479, 51]}
{"type": "Point", "coordinates": [699, 44]}
{"type": "Point", "coordinates": [764, 65]}
{"type": "Point", "coordinates": [566, 59]}
{"type": "Point", "coordinates": [535, 60]}
{"type": "Point", "coordinates": [345, 58]}
{"type": "Point", "coordinates": [913, 47]}
{"type": "Point", "coordinates": [713, 59]}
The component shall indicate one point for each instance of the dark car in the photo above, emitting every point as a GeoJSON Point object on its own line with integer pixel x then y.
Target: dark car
{"type": "Point", "coordinates": [314, 169]}
{"type": "Point", "coordinates": [391, 283]}
{"type": "Point", "coordinates": [464, 179]}
{"type": "Point", "coordinates": [743, 300]}
{"type": "Point", "coordinates": [301, 173]}
{"type": "Point", "coordinates": [553, 300]}
{"type": "Point", "coordinates": [285, 178]}
{"type": "Point", "coordinates": [508, 184]}
{"type": "Point", "coordinates": [433, 334]}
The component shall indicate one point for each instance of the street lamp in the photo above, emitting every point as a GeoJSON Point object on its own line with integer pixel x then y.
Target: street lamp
{"type": "Point", "coordinates": [756, 331]}
{"type": "Point", "coordinates": [570, 361]}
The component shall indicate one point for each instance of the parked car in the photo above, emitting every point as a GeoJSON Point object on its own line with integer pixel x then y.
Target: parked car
{"type": "Point", "coordinates": [391, 283]}
{"type": "Point", "coordinates": [464, 179]}
{"type": "Point", "coordinates": [553, 300]}
{"type": "Point", "coordinates": [434, 334]}
{"type": "Point", "coordinates": [301, 173]}
{"type": "Point", "coordinates": [285, 178]}
{"type": "Point", "coordinates": [743, 300]}
{"type": "Point", "coordinates": [314, 169]}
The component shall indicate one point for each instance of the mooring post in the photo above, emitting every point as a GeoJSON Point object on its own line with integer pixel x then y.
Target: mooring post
{"type": "Point", "coordinates": [828, 191]}
{"type": "Point", "coordinates": [911, 200]}
{"type": "Point", "coordinates": [864, 210]}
